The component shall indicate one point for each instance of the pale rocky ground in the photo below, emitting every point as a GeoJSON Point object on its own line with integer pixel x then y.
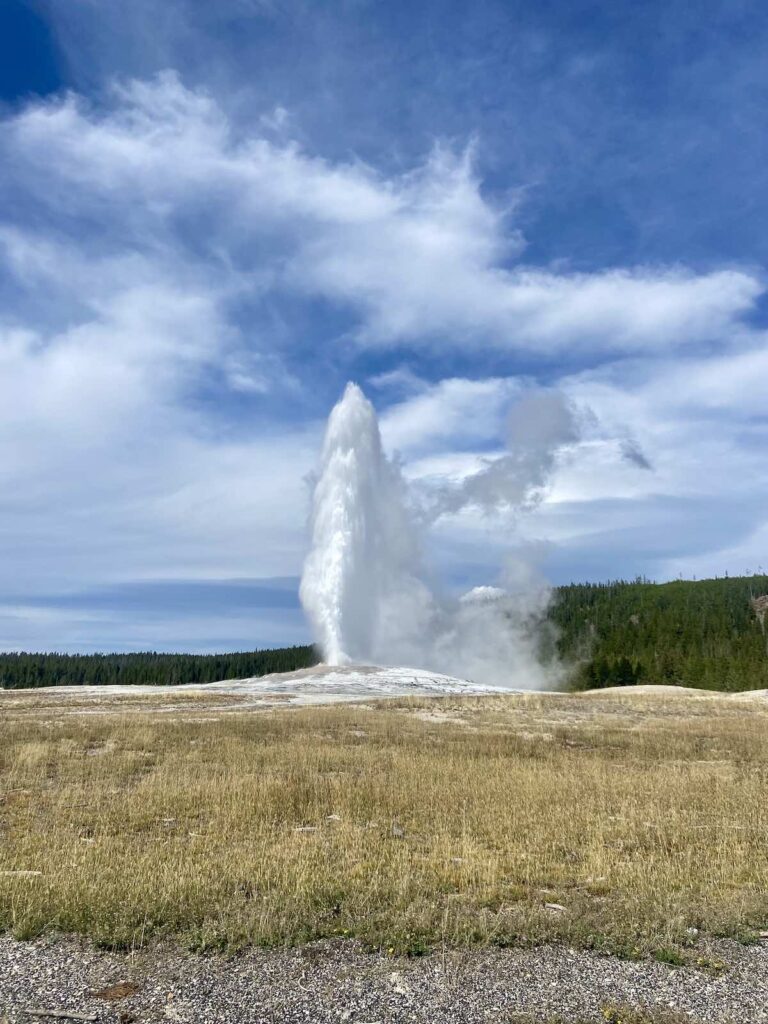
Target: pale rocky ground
{"type": "Point", "coordinates": [339, 982]}
{"type": "Point", "coordinates": [323, 684]}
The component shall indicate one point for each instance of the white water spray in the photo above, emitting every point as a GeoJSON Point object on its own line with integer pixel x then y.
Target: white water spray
{"type": "Point", "coordinates": [362, 542]}
{"type": "Point", "coordinates": [363, 588]}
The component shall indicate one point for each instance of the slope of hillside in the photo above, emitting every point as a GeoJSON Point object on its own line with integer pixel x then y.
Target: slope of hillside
{"type": "Point", "coordinates": [701, 633]}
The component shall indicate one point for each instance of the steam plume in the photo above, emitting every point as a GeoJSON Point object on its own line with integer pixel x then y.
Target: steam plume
{"type": "Point", "coordinates": [538, 426]}
{"type": "Point", "coordinates": [363, 586]}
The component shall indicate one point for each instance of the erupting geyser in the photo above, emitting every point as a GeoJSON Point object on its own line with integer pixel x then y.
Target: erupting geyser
{"type": "Point", "coordinates": [362, 540]}
{"type": "Point", "coordinates": [362, 586]}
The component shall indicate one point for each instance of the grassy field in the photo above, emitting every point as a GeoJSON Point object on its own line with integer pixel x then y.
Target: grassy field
{"type": "Point", "coordinates": [627, 822]}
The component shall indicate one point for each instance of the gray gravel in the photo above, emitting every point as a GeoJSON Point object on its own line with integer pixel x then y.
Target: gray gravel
{"type": "Point", "coordinates": [337, 981]}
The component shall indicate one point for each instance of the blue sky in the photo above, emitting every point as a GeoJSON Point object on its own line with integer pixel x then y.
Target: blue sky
{"type": "Point", "coordinates": [213, 215]}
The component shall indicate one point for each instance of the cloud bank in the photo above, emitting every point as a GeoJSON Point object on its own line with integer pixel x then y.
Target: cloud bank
{"type": "Point", "coordinates": [182, 294]}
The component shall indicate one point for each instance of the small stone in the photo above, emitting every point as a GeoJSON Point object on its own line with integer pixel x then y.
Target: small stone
{"type": "Point", "coordinates": [398, 984]}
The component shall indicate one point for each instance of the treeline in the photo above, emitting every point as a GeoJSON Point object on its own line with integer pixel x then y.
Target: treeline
{"type": "Point", "coordinates": [688, 633]}
{"type": "Point", "coordinates": [32, 670]}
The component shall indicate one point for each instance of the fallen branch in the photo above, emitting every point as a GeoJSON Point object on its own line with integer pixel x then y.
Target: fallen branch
{"type": "Point", "coordinates": [64, 1014]}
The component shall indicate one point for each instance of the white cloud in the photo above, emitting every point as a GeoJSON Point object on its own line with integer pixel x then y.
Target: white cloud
{"type": "Point", "coordinates": [109, 471]}
{"type": "Point", "coordinates": [740, 553]}
{"type": "Point", "coordinates": [699, 423]}
{"type": "Point", "coordinates": [136, 229]}
{"type": "Point", "coordinates": [35, 627]}
{"type": "Point", "coordinates": [700, 507]}
{"type": "Point", "coordinates": [422, 258]}
{"type": "Point", "coordinates": [453, 411]}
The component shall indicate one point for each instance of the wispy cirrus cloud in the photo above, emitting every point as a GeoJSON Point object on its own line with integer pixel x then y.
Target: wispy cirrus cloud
{"type": "Point", "coordinates": [420, 258]}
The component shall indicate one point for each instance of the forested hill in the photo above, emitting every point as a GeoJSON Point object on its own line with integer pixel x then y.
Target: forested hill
{"type": "Point", "coordinates": [692, 633]}
{"type": "Point", "coordinates": [21, 670]}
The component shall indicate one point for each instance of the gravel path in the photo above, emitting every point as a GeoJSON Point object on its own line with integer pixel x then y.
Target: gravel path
{"type": "Point", "coordinates": [339, 982]}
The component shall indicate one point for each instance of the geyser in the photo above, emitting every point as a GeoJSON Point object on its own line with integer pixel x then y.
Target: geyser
{"type": "Point", "coordinates": [363, 587]}
{"type": "Point", "coordinates": [363, 543]}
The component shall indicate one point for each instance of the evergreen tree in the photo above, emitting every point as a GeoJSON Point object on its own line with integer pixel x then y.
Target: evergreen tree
{"type": "Point", "coordinates": [701, 633]}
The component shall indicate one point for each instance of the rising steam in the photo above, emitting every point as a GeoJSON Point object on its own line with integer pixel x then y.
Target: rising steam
{"type": "Point", "coordinates": [363, 586]}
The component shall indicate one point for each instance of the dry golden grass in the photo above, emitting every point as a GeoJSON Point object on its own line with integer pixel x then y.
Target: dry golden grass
{"type": "Point", "coordinates": [406, 823]}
